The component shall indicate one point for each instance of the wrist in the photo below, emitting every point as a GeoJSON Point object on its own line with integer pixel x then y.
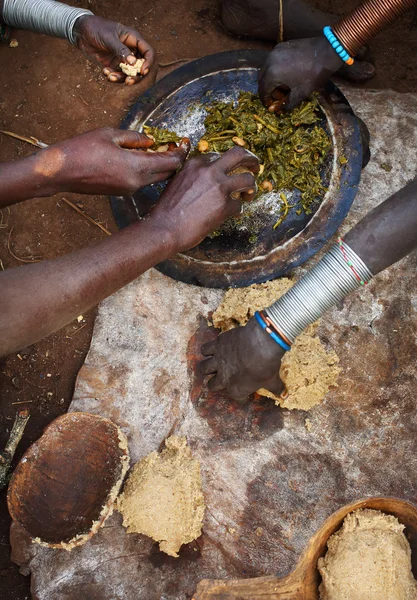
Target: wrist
{"type": "Point", "coordinates": [161, 228]}
{"type": "Point", "coordinates": [268, 349]}
{"type": "Point", "coordinates": [331, 60]}
{"type": "Point", "coordinates": [79, 26]}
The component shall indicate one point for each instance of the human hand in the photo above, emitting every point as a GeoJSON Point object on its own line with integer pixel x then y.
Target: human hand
{"type": "Point", "coordinates": [111, 43]}
{"type": "Point", "coordinates": [107, 161]}
{"type": "Point", "coordinates": [299, 67]}
{"type": "Point", "coordinates": [242, 361]}
{"type": "Point", "coordinates": [202, 195]}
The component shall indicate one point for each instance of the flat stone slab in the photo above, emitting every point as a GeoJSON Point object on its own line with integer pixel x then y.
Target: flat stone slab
{"type": "Point", "coordinates": [269, 483]}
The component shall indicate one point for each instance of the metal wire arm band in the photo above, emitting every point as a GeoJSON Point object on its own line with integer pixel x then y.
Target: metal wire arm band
{"type": "Point", "coordinates": [326, 284]}
{"type": "Point", "coordinates": [43, 16]}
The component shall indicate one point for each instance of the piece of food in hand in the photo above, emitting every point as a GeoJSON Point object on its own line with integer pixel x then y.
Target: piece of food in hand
{"type": "Point", "coordinates": [132, 70]}
{"type": "Point", "coordinates": [163, 497]}
{"type": "Point", "coordinates": [368, 557]}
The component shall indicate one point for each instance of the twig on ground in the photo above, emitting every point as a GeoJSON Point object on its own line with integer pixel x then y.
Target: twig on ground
{"type": "Point", "coordinates": [28, 260]}
{"type": "Point", "coordinates": [83, 214]}
{"type": "Point", "coordinates": [76, 331]}
{"type": "Point", "coordinates": [23, 402]}
{"type": "Point", "coordinates": [16, 433]}
{"type": "Point", "coordinates": [29, 140]}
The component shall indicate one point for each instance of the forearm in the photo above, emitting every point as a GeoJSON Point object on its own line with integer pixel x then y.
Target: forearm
{"type": "Point", "coordinates": [23, 179]}
{"type": "Point", "coordinates": [39, 299]}
{"type": "Point", "coordinates": [387, 233]}
{"type": "Point", "coordinates": [43, 16]}
{"type": "Point", "coordinates": [368, 19]}
{"type": "Point", "coordinates": [384, 236]}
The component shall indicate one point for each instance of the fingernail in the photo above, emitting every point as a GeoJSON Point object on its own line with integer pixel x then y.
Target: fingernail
{"type": "Point", "coordinates": [112, 78]}
{"type": "Point", "coordinates": [106, 71]}
{"type": "Point", "coordinates": [251, 191]}
{"type": "Point", "coordinates": [146, 71]}
{"type": "Point", "coordinates": [131, 59]}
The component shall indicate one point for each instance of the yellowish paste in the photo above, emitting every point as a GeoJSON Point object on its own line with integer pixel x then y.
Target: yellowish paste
{"type": "Point", "coordinates": [308, 370]}
{"type": "Point", "coordinates": [132, 70]}
{"type": "Point", "coordinates": [369, 558]}
{"type": "Point", "coordinates": [163, 497]}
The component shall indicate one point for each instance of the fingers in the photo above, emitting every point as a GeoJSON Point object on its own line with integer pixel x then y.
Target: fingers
{"type": "Point", "coordinates": [266, 85]}
{"type": "Point", "coordinates": [360, 71]}
{"type": "Point", "coordinates": [215, 384]}
{"type": "Point", "coordinates": [114, 76]}
{"type": "Point", "coordinates": [134, 40]}
{"type": "Point", "coordinates": [131, 140]}
{"type": "Point", "coordinates": [209, 366]}
{"type": "Point", "coordinates": [161, 163]}
{"type": "Point", "coordinates": [274, 385]}
{"type": "Point", "coordinates": [238, 157]}
{"type": "Point", "coordinates": [132, 80]}
{"type": "Point", "coordinates": [208, 349]}
{"type": "Point", "coordinates": [297, 95]}
{"type": "Point", "coordinates": [244, 182]}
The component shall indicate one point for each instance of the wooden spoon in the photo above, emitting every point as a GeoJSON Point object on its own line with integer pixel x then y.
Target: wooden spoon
{"type": "Point", "coordinates": [65, 485]}
{"type": "Point", "coordinates": [303, 582]}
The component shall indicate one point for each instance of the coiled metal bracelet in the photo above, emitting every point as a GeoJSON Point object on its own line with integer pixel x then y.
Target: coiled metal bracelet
{"type": "Point", "coordinates": [367, 20]}
{"type": "Point", "coordinates": [43, 16]}
{"type": "Point", "coordinates": [327, 283]}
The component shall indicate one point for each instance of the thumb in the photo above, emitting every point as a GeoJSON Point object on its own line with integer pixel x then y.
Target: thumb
{"type": "Point", "coordinates": [132, 140]}
{"type": "Point", "coordinates": [297, 95]}
{"type": "Point", "coordinates": [172, 159]}
{"type": "Point", "coordinates": [122, 52]}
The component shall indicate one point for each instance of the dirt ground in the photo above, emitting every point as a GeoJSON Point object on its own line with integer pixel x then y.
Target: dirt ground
{"type": "Point", "coordinates": [49, 90]}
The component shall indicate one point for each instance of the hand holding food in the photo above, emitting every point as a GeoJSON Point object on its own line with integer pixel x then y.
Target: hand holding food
{"type": "Point", "coordinates": [107, 161]}
{"type": "Point", "coordinates": [123, 52]}
{"type": "Point", "coordinates": [297, 67]}
{"type": "Point", "coordinates": [201, 197]}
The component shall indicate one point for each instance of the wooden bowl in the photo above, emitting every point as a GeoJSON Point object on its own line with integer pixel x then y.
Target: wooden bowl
{"type": "Point", "coordinates": [303, 582]}
{"type": "Point", "coordinates": [64, 487]}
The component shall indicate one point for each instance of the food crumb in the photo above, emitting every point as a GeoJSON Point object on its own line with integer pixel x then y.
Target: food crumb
{"type": "Point", "coordinates": [132, 70]}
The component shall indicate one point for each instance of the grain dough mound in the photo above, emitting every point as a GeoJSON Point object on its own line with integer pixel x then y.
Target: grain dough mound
{"type": "Point", "coordinates": [163, 497]}
{"type": "Point", "coordinates": [369, 558]}
{"type": "Point", "coordinates": [308, 370]}
{"type": "Point", "coordinates": [132, 70]}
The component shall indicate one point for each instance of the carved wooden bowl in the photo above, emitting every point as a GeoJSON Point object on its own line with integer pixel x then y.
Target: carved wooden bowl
{"type": "Point", "coordinates": [304, 581]}
{"type": "Point", "coordinates": [64, 487]}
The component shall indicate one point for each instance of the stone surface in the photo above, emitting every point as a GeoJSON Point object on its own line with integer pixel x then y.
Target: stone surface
{"type": "Point", "coordinates": [268, 482]}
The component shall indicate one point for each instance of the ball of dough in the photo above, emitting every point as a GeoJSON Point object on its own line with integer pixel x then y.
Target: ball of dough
{"type": "Point", "coordinates": [369, 558]}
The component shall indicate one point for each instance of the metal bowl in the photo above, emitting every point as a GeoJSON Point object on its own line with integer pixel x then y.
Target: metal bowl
{"type": "Point", "coordinates": [248, 250]}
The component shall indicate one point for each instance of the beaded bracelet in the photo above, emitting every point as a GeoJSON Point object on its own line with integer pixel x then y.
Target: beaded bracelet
{"type": "Point", "coordinates": [273, 335]}
{"type": "Point", "coordinates": [349, 263]}
{"type": "Point", "coordinates": [337, 46]}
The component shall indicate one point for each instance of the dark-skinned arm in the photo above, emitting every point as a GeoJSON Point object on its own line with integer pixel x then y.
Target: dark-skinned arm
{"type": "Point", "coordinates": [298, 67]}
{"type": "Point", "coordinates": [102, 161]}
{"type": "Point", "coordinates": [111, 43]}
{"type": "Point", "coordinates": [246, 359]}
{"type": "Point", "coordinates": [36, 300]}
